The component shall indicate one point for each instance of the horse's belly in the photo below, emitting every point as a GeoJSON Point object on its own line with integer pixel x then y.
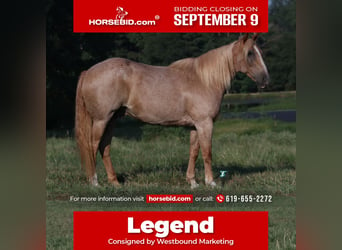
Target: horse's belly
{"type": "Point", "coordinates": [160, 113]}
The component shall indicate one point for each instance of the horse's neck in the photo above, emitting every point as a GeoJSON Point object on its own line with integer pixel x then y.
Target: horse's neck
{"type": "Point", "coordinates": [216, 67]}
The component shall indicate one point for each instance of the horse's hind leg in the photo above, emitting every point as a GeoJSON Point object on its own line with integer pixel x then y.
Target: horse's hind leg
{"type": "Point", "coordinates": [97, 132]}
{"type": "Point", "coordinates": [104, 150]}
{"type": "Point", "coordinates": [194, 150]}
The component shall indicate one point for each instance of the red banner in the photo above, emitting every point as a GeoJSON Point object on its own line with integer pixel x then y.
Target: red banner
{"type": "Point", "coordinates": [166, 230]}
{"type": "Point", "coordinates": [170, 16]}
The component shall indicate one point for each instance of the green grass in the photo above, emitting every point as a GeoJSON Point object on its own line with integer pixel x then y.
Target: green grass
{"type": "Point", "coordinates": [245, 148]}
{"type": "Point", "coordinates": [259, 102]}
{"type": "Point", "coordinates": [286, 103]}
{"type": "Point", "coordinates": [259, 96]}
{"type": "Point", "coordinates": [259, 155]}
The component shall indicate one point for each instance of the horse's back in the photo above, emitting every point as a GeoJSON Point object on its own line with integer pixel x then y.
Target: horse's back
{"type": "Point", "coordinates": [154, 94]}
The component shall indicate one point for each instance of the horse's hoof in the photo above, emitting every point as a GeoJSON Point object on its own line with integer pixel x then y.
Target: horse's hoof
{"type": "Point", "coordinates": [93, 181]}
{"type": "Point", "coordinates": [194, 184]}
{"type": "Point", "coordinates": [114, 181]}
{"type": "Point", "coordinates": [116, 184]}
{"type": "Point", "coordinates": [95, 185]}
{"type": "Point", "coordinates": [212, 184]}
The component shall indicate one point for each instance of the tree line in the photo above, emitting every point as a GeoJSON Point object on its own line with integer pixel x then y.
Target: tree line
{"type": "Point", "coordinates": [70, 53]}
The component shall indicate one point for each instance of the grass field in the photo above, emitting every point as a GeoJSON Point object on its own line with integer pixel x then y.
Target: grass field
{"type": "Point", "coordinates": [259, 155]}
{"type": "Point", "coordinates": [259, 102]}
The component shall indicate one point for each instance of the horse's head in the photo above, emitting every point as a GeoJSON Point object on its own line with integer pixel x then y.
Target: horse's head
{"type": "Point", "coordinates": [120, 10]}
{"type": "Point", "coordinates": [248, 60]}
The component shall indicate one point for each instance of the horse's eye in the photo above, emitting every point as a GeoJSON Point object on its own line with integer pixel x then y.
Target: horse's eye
{"type": "Point", "coordinates": [250, 53]}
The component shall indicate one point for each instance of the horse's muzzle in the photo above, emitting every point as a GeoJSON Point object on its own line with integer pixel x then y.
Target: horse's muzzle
{"type": "Point", "coordinates": [264, 81]}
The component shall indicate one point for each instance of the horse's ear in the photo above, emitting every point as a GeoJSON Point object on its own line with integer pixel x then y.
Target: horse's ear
{"type": "Point", "coordinates": [244, 38]}
{"type": "Point", "coordinates": [255, 36]}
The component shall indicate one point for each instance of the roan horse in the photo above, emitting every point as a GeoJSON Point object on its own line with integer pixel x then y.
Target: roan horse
{"type": "Point", "coordinates": [188, 93]}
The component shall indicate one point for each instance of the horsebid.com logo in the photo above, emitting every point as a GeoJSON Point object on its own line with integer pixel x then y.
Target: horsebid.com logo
{"type": "Point", "coordinates": [120, 19]}
{"type": "Point", "coordinates": [121, 13]}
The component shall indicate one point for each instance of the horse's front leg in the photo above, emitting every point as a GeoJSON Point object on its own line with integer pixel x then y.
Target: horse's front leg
{"type": "Point", "coordinates": [193, 154]}
{"type": "Point", "coordinates": [205, 131]}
